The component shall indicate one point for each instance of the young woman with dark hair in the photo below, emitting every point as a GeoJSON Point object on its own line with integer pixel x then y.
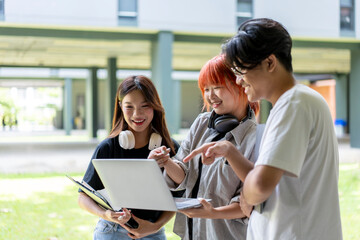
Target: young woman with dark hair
{"type": "Point", "coordinates": [138, 127]}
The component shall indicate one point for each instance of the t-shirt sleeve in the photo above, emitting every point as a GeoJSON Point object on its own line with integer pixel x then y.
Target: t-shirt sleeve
{"type": "Point", "coordinates": [91, 177]}
{"type": "Point", "coordinates": [286, 139]}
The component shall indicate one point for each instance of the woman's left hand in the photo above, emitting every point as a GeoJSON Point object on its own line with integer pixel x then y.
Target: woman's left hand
{"type": "Point", "coordinates": [145, 228]}
{"type": "Point", "coordinates": [206, 211]}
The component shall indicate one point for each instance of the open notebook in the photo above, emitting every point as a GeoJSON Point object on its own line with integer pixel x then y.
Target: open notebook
{"type": "Point", "coordinates": [102, 199]}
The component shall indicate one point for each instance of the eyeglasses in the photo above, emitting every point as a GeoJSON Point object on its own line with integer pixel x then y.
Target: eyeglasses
{"type": "Point", "coordinates": [238, 72]}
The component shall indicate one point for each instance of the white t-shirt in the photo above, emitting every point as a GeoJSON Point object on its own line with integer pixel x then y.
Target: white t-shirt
{"type": "Point", "coordinates": [299, 138]}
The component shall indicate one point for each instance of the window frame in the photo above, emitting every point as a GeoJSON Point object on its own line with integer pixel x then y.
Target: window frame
{"type": "Point", "coordinates": [127, 17]}
{"type": "Point", "coordinates": [2, 10]}
{"type": "Point", "coordinates": [347, 31]}
{"type": "Point", "coordinates": [242, 16]}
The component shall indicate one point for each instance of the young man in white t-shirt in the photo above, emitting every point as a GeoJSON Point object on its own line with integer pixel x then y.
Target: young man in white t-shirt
{"type": "Point", "coordinates": [296, 173]}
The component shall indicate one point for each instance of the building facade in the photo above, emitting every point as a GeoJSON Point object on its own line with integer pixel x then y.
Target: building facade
{"type": "Point", "coordinates": [326, 25]}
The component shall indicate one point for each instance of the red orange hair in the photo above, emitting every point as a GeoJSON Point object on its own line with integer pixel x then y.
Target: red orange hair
{"type": "Point", "coordinates": [216, 72]}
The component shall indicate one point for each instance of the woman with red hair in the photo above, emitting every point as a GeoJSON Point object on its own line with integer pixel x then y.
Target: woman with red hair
{"type": "Point", "coordinates": [232, 118]}
{"type": "Point", "coordinates": [216, 72]}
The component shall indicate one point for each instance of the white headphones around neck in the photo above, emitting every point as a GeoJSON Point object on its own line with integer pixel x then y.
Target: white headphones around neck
{"type": "Point", "coordinates": [127, 140]}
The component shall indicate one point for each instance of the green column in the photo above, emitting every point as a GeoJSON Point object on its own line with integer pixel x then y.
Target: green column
{"type": "Point", "coordinates": [110, 92]}
{"type": "Point", "coordinates": [354, 84]}
{"type": "Point", "coordinates": [169, 90]}
{"type": "Point", "coordinates": [67, 106]}
{"type": "Point", "coordinates": [342, 96]}
{"type": "Point", "coordinates": [92, 103]}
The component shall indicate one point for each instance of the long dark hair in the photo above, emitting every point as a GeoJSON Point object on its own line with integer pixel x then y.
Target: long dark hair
{"type": "Point", "coordinates": [147, 88]}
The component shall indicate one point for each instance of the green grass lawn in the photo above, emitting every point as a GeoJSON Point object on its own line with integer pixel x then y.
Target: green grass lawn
{"type": "Point", "coordinates": [349, 191]}
{"type": "Point", "coordinates": [44, 207]}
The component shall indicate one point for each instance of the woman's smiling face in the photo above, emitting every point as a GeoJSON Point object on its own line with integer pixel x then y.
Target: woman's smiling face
{"type": "Point", "coordinates": [137, 112]}
{"type": "Point", "coordinates": [221, 99]}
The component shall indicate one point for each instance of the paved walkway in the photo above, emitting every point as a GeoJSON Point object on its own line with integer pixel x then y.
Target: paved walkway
{"type": "Point", "coordinates": [44, 152]}
{"type": "Point", "coordinates": [348, 154]}
{"type": "Point", "coordinates": [45, 157]}
{"type": "Point", "coordinates": [73, 157]}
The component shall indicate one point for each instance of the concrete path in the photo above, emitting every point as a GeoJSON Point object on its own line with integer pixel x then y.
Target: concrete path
{"type": "Point", "coordinates": [45, 157]}
{"type": "Point", "coordinates": [74, 157]}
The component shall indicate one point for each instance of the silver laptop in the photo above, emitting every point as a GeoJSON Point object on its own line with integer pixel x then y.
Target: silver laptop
{"type": "Point", "coordinates": [139, 184]}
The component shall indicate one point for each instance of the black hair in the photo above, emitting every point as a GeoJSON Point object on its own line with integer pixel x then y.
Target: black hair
{"type": "Point", "coordinates": [256, 40]}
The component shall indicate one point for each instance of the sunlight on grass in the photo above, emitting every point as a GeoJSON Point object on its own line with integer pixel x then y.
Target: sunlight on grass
{"type": "Point", "coordinates": [349, 191]}
{"type": "Point", "coordinates": [44, 206]}
{"type": "Point", "coordinates": [44, 215]}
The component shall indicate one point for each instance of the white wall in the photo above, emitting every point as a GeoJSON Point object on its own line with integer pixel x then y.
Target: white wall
{"type": "Point", "coordinates": [188, 15]}
{"type": "Point", "coordinates": [62, 12]}
{"type": "Point", "coordinates": [306, 18]}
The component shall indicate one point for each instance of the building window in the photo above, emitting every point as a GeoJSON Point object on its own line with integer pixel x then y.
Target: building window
{"type": "Point", "coordinates": [347, 19]}
{"type": "Point", "coordinates": [2, 10]}
{"type": "Point", "coordinates": [244, 11]}
{"type": "Point", "coordinates": [127, 14]}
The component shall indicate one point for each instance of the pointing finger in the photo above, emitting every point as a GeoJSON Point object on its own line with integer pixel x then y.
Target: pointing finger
{"type": "Point", "coordinates": [197, 151]}
{"type": "Point", "coordinates": [192, 154]}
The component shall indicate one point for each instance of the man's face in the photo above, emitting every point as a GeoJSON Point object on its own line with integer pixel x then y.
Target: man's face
{"type": "Point", "coordinates": [254, 81]}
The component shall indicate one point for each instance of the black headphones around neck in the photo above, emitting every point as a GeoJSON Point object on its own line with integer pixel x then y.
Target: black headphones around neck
{"type": "Point", "coordinates": [227, 122]}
